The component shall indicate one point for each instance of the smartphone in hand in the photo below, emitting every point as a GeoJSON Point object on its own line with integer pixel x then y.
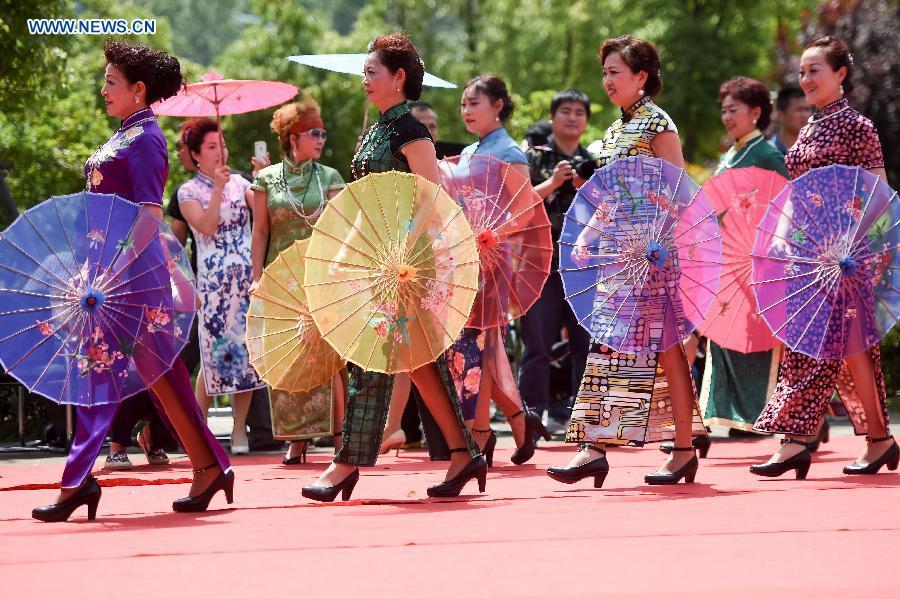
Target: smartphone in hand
{"type": "Point", "coordinates": [259, 150]}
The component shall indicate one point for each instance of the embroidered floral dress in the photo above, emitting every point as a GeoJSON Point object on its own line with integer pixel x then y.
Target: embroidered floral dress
{"type": "Point", "coordinates": [837, 134]}
{"type": "Point", "coordinates": [736, 385]}
{"type": "Point", "coordinates": [134, 164]}
{"type": "Point", "coordinates": [295, 190]}
{"type": "Point", "coordinates": [624, 398]}
{"type": "Point", "coordinates": [224, 275]}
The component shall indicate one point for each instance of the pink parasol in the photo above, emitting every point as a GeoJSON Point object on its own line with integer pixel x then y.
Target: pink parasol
{"type": "Point", "coordinates": [740, 197]}
{"type": "Point", "coordinates": [219, 97]}
{"type": "Point", "coordinates": [515, 244]}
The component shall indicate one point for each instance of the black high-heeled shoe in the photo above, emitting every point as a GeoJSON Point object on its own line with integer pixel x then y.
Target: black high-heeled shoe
{"type": "Point", "coordinates": [198, 503]}
{"type": "Point", "coordinates": [299, 458]}
{"type": "Point", "coordinates": [533, 428]}
{"type": "Point", "coordinates": [327, 494]}
{"type": "Point", "coordinates": [476, 468]}
{"type": "Point", "coordinates": [824, 436]}
{"type": "Point", "coordinates": [890, 458]}
{"type": "Point", "coordinates": [88, 494]}
{"type": "Point", "coordinates": [688, 471]}
{"type": "Point", "coordinates": [489, 445]}
{"type": "Point", "coordinates": [598, 468]}
{"type": "Point", "coordinates": [799, 462]}
{"type": "Point", "coordinates": [701, 443]}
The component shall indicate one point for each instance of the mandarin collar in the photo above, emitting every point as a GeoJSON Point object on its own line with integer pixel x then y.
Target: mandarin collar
{"type": "Point", "coordinates": [299, 168]}
{"type": "Point", "coordinates": [144, 113]}
{"type": "Point", "coordinates": [741, 143]}
{"type": "Point", "coordinates": [838, 104]}
{"type": "Point", "coordinates": [393, 112]}
{"type": "Point", "coordinates": [629, 112]}
{"type": "Point", "coordinates": [498, 132]}
{"type": "Point", "coordinates": [205, 179]}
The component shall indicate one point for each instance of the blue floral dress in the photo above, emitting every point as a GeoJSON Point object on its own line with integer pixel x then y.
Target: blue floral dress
{"type": "Point", "coordinates": [224, 275]}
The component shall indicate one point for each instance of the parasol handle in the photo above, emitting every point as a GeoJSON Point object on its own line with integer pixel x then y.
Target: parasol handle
{"type": "Point", "coordinates": [365, 115]}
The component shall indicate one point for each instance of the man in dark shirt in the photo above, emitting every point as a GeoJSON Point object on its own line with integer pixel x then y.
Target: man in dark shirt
{"type": "Point", "coordinates": [791, 112]}
{"type": "Point", "coordinates": [554, 179]}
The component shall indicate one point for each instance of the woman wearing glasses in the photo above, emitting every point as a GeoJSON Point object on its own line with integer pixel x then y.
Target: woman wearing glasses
{"type": "Point", "coordinates": [288, 197]}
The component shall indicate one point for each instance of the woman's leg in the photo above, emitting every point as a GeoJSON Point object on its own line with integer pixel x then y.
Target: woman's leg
{"type": "Point", "coordinates": [862, 369]}
{"type": "Point", "coordinates": [368, 398]}
{"type": "Point", "coordinates": [90, 431]}
{"type": "Point", "coordinates": [339, 399]}
{"type": "Point", "coordinates": [203, 398]}
{"type": "Point", "coordinates": [173, 392]}
{"type": "Point", "coordinates": [399, 399]}
{"type": "Point", "coordinates": [240, 406]}
{"type": "Point", "coordinates": [449, 420]}
{"type": "Point", "coordinates": [681, 393]}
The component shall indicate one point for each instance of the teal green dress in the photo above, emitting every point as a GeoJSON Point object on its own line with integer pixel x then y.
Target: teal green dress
{"type": "Point", "coordinates": [736, 385]}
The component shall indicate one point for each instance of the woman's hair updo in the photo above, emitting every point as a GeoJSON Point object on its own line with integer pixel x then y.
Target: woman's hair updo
{"type": "Point", "coordinates": [396, 51]}
{"type": "Point", "coordinates": [160, 73]}
{"type": "Point", "coordinates": [639, 55]}
{"type": "Point", "coordinates": [837, 55]}
{"type": "Point", "coordinates": [494, 88]}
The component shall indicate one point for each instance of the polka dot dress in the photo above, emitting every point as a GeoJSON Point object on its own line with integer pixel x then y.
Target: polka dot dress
{"type": "Point", "coordinates": [838, 135]}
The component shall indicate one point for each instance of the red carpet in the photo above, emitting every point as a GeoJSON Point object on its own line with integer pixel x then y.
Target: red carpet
{"type": "Point", "coordinates": [528, 536]}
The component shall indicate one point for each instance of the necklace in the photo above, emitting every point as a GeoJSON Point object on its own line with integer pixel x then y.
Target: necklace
{"type": "Point", "coordinates": [297, 204]}
{"type": "Point", "coordinates": [735, 161]}
{"type": "Point", "coordinates": [812, 120]}
{"type": "Point", "coordinates": [362, 156]}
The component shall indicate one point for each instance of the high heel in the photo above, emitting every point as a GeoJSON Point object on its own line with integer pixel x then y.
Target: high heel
{"type": "Point", "coordinates": [533, 428]}
{"type": "Point", "coordinates": [88, 494]}
{"type": "Point", "coordinates": [890, 458]}
{"type": "Point", "coordinates": [396, 440]}
{"type": "Point", "coordinates": [488, 450]}
{"type": "Point", "coordinates": [198, 503]}
{"type": "Point", "coordinates": [476, 468]}
{"type": "Point", "coordinates": [824, 436]}
{"type": "Point", "coordinates": [688, 471]}
{"type": "Point", "coordinates": [799, 462]}
{"type": "Point", "coordinates": [598, 468]}
{"type": "Point", "coordinates": [299, 458]}
{"type": "Point", "coordinates": [327, 494]}
{"type": "Point", "coordinates": [701, 443]}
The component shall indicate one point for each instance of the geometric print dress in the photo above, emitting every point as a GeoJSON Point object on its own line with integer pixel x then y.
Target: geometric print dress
{"type": "Point", "coordinates": [836, 134]}
{"type": "Point", "coordinates": [624, 398]}
{"type": "Point", "coordinates": [224, 274]}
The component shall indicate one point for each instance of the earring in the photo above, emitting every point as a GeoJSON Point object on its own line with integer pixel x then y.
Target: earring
{"type": "Point", "coordinates": [640, 92]}
{"type": "Point", "coordinates": [842, 90]}
{"type": "Point", "coordinates": [754, 121]}
{"type": "Point", "coordinates": [137, 100]}
{"type": "Point", "coordinates": [398, 89]}
{"type": "Point", "coordinates": [497, 118]}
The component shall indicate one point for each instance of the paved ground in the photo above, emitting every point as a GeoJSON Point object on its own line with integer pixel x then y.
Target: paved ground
{"type": "Point", "coordinates": [528, 536]}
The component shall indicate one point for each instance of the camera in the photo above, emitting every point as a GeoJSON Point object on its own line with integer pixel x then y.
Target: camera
{"type": "Point", "coordinates": [583, 167]}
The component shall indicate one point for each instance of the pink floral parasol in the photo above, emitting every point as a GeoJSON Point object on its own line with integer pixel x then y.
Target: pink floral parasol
{"type": "Point", "coordinates": [740, 197]}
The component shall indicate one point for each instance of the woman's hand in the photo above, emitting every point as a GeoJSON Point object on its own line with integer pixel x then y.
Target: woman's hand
{"type": "Point", "coordinates": [258, 165]}
{"type": "Point", "coordinates": [221, 176]}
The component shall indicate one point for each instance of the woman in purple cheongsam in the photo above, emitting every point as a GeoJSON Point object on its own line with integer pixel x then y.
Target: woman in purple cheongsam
{"type": "Point", "coordinates": [133, 164]}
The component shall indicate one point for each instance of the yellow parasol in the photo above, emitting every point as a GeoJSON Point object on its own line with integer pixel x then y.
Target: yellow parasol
{"type": "Point", "coordinates": [284, 344]}
{"type": "Point", "coordinates": [392, 271]}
